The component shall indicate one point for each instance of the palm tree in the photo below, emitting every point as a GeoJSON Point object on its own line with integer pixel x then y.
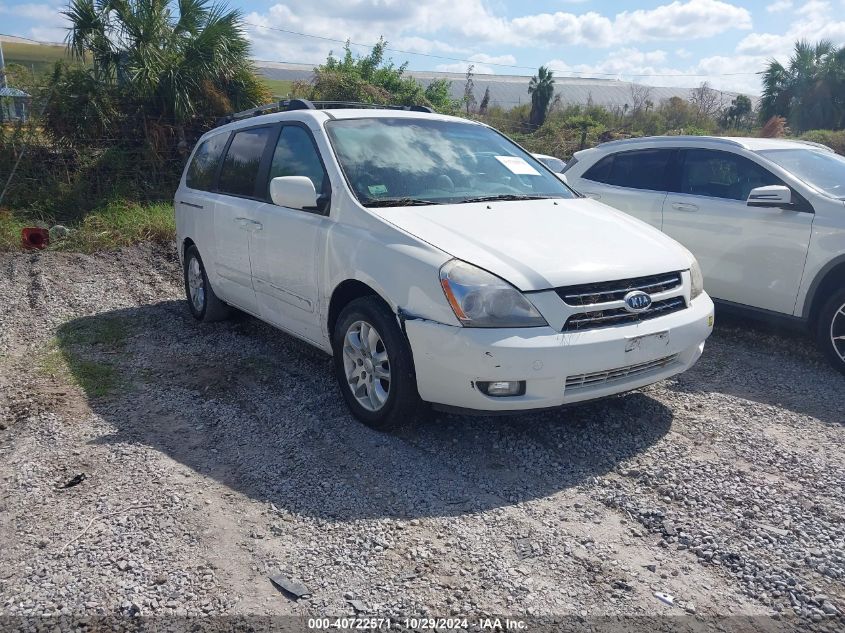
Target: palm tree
{"type": "Point", "coordinates": [541, 88]}
{"type": "Point", "coordinates": [174, 58]}
{"type": "Point", "coordinates": [810, 90]}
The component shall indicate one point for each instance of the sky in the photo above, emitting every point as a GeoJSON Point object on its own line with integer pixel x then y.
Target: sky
{"type": "Point", "coordinates": [658, 42]}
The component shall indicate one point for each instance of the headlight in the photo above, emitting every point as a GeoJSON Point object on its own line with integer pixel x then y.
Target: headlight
{"type": "Point", "coordinates": [696, 278]}
{"type": "Point", "coordinates": [480, 299]}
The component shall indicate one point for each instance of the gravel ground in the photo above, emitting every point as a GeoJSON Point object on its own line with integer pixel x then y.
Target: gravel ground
{"type": "Point", "coordinates": [215, 456]}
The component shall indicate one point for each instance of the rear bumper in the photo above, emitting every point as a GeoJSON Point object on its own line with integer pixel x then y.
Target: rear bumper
{"type": "Point", "coordinates": [558, 368]}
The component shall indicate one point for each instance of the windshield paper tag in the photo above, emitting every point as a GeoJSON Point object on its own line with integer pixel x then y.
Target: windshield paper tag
{"type": "Point", "coordinates": [377, 190]}
{"type": "Point", "coordinates": [517, 165]}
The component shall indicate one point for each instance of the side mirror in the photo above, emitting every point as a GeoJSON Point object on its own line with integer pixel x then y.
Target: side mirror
{"type": "Point", "coordinates": [294, 192]}
{"type": "Point", "coordinates": [562, 177]}
{"type": "Point", "coordinates": [776, 196]}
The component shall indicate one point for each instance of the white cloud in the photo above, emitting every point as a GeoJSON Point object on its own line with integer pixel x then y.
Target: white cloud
{"type": "Point", "coordinates": [473, 24]}
{"type": "Point", "coordinates": [780, 5]}
{"type": "Point", "coordinates": [734, 74]}
{"type": "Point", "coordinates": [51, 25]}
{"type": "Point", "coordinates": [678, 20]}
{"type": "Point", "coordinates": [684, 20]}
{"type": "Point", "coordinates": [41, 12]}
{"type": "Point", "coordinates": [815, 21]}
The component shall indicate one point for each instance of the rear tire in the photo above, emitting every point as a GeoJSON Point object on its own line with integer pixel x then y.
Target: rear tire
{"type": "Point", "coordinates": [203, 303]}
{"type": "Point", "coordinates": [374, 366]}
{"type": "Point", "coordinates": [830, 329]}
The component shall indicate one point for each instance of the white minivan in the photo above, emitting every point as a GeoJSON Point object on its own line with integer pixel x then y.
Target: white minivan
{"type": "Point", "coordinates": [435, 259]}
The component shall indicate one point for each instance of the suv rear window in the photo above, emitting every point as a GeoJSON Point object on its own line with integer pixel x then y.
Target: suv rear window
{"type": "Point", "coordinates": [201, 172]}
{"type": "Point", "coordinates": [239, 173]}
{"type": "Point", "coordinates": [638, 169]}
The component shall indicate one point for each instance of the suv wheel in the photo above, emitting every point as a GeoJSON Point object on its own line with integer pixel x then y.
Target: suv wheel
{"type": "Point", "coordinates": [831, 329]}
{"type": "Point", "coordinates": [373, 365]}
{"type": "Point", "coordinates": [204, 304]}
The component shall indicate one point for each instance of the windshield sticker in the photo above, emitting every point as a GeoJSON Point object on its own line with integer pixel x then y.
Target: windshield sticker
{"type": "Point", "coordinates": [377, 190]}
{"type": "Point", "coordinates": [517, 165]}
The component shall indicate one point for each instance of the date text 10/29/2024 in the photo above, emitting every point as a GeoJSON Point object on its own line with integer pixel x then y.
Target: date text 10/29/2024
{"type": "Point", "coordinates": [416, 624]}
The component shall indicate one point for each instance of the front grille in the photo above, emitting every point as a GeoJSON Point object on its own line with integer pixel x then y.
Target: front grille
{"type": "Point", "coordinates": [620, 316]}
{"type": "Point", "coordinates": [607, 291]}
{"type": "Point", "coordinates": [598, 305]}
{"type": "Point", "coordinates": [595, 379]}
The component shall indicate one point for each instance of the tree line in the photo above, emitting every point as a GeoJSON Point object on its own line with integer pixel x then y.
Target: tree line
{"type": "Point", "coordinates": [152, 75]}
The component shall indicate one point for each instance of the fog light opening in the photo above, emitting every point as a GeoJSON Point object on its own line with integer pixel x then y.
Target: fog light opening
{"type": "Point", "coordinates": [501, 388]}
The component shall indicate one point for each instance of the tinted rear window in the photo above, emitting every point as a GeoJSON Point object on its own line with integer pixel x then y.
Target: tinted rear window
{"type": "Point", "coordinates": [240, 167]}
{"type": "Point", "coordinates": [640, 169]}
{"type": "Point", "coordinates": [204, 164]}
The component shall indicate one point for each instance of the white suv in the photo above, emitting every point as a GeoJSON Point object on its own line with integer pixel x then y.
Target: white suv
{"type": "Point", "coordinates": [765, 217]}
{"type": "Point", "coordinates": [434, 258]}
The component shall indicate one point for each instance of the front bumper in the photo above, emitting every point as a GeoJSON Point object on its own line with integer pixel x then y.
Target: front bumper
{"type": "Point", "coordinates": [558, 367]}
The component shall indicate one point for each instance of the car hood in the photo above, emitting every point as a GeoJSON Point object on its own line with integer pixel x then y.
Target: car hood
{"type": "Point", "coordinates": [541, 244]}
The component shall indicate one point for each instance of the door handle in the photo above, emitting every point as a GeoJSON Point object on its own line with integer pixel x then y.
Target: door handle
{"type": "Point", "coordinates": [684, 206]}
{"type": "Point", "coordinates": [592, 194]}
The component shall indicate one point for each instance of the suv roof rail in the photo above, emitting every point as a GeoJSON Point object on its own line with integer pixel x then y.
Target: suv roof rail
{"type": "Point", "coordinates": [671, 139]}
{"type": "Point", "coordinates": [287, 105]}
{"type": "Point", "coordinates": [826, 148]}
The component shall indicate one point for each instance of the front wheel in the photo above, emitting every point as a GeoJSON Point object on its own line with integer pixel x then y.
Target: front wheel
{"type": "Point", "coordinates": [831, 329]}
{"type": "Point", "coordinates": [204, 304]}
{"type": "Point", "coordinates": [373, 365]}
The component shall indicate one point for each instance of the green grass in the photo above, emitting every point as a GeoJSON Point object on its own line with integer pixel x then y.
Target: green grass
{"type": "Point", "coordinates": [279, 87]}
{"type": "Point", "coordinates": [38, 56]}
{"type": "Point", "coordinates": [118, 223]}
{"type": "Point", "coordinates": [110, 332]}
{"type": "Point", "coordinates": [74, 354]}
{"type": "Point", "coordinates": [10, 231]}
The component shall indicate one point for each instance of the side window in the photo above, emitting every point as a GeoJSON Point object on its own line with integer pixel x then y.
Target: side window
{"type": "Point", "coordinates": [639, 169]}
{"type": "Point", "coordinates": [201, 172]}
{"type": "Point", "coordinates": [600, 172]}
{"type": "Point", "coordinates": [722, 175]}
{"type": "Point", "coordinates": [239, 173]}
{"type": "Point", "coordinates": [296, 155]}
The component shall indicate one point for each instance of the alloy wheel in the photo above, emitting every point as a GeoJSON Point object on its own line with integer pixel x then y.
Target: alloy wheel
{"type": "Point", "coordinates": [196, 284]}
{"type": "Point", "coordinates": [367, 365]}
{"type": "Point", "coordinates": [837, 332]}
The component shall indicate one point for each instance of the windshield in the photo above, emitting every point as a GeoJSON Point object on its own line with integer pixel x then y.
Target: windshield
{"type": "Point", "coordinates": [403, 162]}
{"type": "Point", "coordinates": [821, 169]}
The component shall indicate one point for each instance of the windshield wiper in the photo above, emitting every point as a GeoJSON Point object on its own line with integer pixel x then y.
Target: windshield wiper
{"type": "Point", "coordinates": [397, 202]}
{"type": "Point", "coordinates": [505, 196]}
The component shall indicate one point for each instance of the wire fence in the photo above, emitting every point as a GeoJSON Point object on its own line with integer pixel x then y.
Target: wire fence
{"type": "Point", "coordinates": [45, 173]}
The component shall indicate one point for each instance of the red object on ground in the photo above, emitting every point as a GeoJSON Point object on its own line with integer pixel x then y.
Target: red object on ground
{"type": "Point", "coordinates": [35, 237]}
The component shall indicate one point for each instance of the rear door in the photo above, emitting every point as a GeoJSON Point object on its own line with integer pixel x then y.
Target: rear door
{"type": "Point", "coordinates": [195, 200]}
{"type": "Point", "coordinates": [749, 255]}
{"type": "Point", "coordinates": [288, 250]}
{"type": "Point", "coordinates": [633, 181]}
{"type": "Point", "coordinates": [238, 199]}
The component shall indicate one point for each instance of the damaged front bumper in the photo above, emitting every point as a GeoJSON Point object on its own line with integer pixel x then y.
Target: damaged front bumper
{"type": "Point", "coordinates": [558, 367]}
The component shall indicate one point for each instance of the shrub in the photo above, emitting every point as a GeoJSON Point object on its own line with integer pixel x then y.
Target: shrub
{"type": "Point", "coordinates": [834, 139]}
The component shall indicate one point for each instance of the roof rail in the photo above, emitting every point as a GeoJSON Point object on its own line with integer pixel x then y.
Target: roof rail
{"type": "Point", "coordinates": [671, 139]}
{"type": "Point", "coordinates": [287, 105]}
{"type": "Point", "coordinates": [826, 148]}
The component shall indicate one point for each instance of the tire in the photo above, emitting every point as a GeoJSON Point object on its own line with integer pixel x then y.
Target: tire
{"type": "Point", "coordinates": [382, 405]}
{"type": "Point", "coordinates": [831, 326]}
{"type": "Point", "coordinates": [204, 305]}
